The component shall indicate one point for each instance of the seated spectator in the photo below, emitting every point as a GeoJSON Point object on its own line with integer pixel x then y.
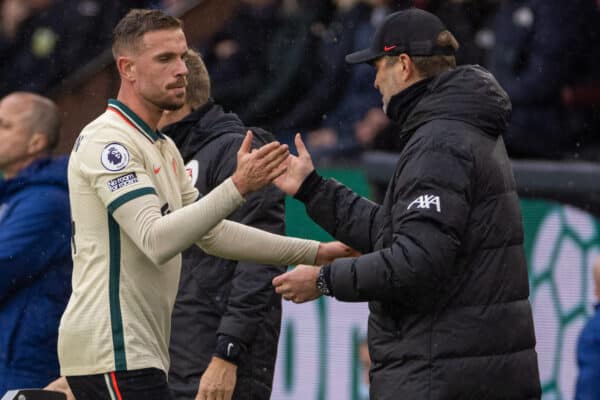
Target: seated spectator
{"type": "Point", "coordinates": [537, 45]}
{"type": "Point", "coordinates": [371, 131]}
{"type": "Point", "coordinates": [235, 55]}
{"type": "Point", "coordinates": [350, 22]}
{"type": "Point", "coordinates": [335, 137]}
{"type": "Point", "coordinates": [581, 97]}
{"type": "Point", "coordinates": [44, 41]}
{"type": "Point", "coordinates": [465, 18]}
{"type": "Point", "coordinates": [35, 232]}
{"type": "Point", "coordinates": [260, 69]}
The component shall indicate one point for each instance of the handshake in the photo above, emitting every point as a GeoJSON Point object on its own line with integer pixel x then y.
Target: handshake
{"type": "Point", "coordinates": [272, 162]}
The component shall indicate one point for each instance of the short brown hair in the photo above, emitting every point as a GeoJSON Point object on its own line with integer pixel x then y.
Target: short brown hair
{"type": "Point", "coordinates": [434, 65]}
{"type": "Point", "coordinates": [136, 23]}
{"type": "Point", "coordinates": [198, 87]}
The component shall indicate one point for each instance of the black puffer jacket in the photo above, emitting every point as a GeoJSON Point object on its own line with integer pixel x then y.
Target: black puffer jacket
{"type": "Point", "coordinates": [443, 267]}
{"type": "Point", "coordinates": [218, 296]}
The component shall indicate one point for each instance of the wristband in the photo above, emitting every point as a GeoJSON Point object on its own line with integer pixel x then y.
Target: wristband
{"type": "Point", "coordinates": [229, 348]}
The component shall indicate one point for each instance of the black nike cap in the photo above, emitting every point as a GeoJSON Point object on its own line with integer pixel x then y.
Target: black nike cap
{"type": "Point", "coordinates": [412, 31]}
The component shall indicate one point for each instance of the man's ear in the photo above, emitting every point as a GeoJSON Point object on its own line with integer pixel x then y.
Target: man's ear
{"type": "Point", "coordinates": [407, 68]}
{"type": "Point", "coordinates": [126, 68]}
{"type": "Point", "coordinates": [38, 142]}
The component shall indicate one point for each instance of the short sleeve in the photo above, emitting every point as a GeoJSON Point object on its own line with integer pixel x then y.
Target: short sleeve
{"type": "Point", "coordinates": [114, 169]}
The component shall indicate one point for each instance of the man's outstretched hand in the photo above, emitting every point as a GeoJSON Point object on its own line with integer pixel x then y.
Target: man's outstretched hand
{"type": "Point", "coordinates": [257, 168]}
{"type": "Point", "coordinates": [298, 168]}
{"type": "Point", "coordinates": [298, 285]}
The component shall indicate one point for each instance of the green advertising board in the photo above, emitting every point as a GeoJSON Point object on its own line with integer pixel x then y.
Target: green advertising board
{"type": "Point", "coordinates": [561, 243]}
{"type": "Point", "coordinates": [318, 348]}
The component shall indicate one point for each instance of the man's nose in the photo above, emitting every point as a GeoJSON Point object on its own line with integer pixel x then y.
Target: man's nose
{"type": "Point", "coordinates": [182, 68]}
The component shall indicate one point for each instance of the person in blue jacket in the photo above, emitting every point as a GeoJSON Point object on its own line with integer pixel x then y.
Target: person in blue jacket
{"type": "Point", "coordinates": [588, 350]}
{"type": "Point", "coordinates": [35, 258]}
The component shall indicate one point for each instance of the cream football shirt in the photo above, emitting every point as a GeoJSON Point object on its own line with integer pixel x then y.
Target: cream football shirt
{"type": "Point", "coordinates": [126, 256]}
{"type": "Point", "coordinates": [118, 317]}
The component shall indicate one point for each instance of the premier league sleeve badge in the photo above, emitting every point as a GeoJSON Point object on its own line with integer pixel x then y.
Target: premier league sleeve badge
{"type": "Point", "coordinates": [114, 157]}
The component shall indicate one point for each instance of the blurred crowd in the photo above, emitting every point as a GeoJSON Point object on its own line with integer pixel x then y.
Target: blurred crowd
{"type": "Point", "coordinates": [44, 41]}
{"type": "Point", "coordinates": [280, 64]}
{"type": "Point", "coordinates": [290, 75]}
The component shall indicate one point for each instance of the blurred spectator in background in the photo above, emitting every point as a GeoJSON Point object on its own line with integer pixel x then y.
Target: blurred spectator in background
{"type": "Point", "coordinates": [235, 55]}
{"type": "Point", "coordinates": [588, 350]}
{"type": "Point", "coordinates": [44, 41]}
{"type": "Point", "coordinates": [539, 47]}
{"type": "Point", "coordinates": [350, 93]}
{"type": "Point", "coordinates": [338, 116]}
{"type": "Point", "coordinates": [35, 257]}
{"type": "Point", "coordinates": [261, 62]}
{"type": "Point", "coordinates": [222, 303]}
{"type": "Point", "coordinates": [582, 96]}
{"type": "Point", "coordinates": [466, 18]}
{"type": "Point", "coordinates": [289, 68]}
{"type": "Point", "coordinates": [167, 5]}
{"type": "Point", "coordinates": [331, 74]}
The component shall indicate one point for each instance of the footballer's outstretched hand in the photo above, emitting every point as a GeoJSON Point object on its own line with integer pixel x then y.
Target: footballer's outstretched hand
{"type": "Point", "coordinates": [330, 251]}
{"type": "Point", "coordinates": [257, 168]}
{"type": "Point", "coordinates": [298, 168]}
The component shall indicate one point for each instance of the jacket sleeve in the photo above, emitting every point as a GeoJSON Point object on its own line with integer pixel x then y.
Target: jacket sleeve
{"type": "Point", "coordinates": [33, 235]}
{"type": "Point", "coordinates": [344, 214]}
{"type": "Point", "coordinates": [429, 213]}
{"type": "Point", "coordinates": [252, 293]}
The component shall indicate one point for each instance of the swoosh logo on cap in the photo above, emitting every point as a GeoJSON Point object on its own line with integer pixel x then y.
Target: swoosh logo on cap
{"type": "Point", "coordinates": [388, 48]}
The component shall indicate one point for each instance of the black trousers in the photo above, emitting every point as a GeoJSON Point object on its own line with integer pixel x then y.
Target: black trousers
{"type": "Point", "coordinates": [140, 384]}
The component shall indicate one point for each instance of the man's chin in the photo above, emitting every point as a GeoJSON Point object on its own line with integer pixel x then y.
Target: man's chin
{"type": "Point", "coordinates": [172, 106]}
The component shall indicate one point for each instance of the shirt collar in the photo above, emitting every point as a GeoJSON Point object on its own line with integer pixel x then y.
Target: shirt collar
{"type": "Point", "coordinates": [134, 120]}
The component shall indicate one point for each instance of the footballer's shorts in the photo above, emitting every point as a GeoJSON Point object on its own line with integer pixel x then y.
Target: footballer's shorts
{"type": "Point", "coordinates": [139, 384]}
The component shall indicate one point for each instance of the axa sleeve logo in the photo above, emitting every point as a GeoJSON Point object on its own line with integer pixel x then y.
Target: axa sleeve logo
{"type": "Point", "coordinates": [426, 201]}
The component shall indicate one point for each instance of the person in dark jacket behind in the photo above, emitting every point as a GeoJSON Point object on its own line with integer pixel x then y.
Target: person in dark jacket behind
{"type": "Point", "coordinates": [35, 233]}
{"type": "Point", "coordinates": [443, 265]}
{"type": "Point", "coordinates": [227, 316]}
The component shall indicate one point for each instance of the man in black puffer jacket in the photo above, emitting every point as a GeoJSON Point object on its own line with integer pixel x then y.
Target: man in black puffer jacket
{"type": "Point", "coordinates": [443, 265]}
{"type": "Point", "coordinates": [226, 319]}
